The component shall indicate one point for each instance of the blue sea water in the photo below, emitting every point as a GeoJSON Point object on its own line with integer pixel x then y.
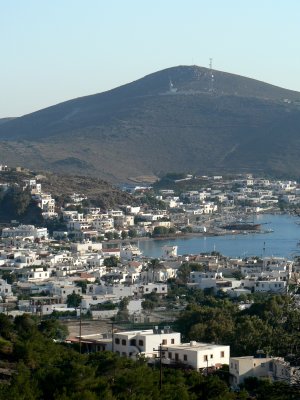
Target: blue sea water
{"type": "Point", "coordinates": [282, 242]}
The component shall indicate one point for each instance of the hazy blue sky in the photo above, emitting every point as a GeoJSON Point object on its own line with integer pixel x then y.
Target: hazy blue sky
{"type": "Point", "coordinates": [55, 50]}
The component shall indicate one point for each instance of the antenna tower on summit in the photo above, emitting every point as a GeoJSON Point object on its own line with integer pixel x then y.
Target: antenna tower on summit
{"type": "Point", "coordinates": [172, 88]}
{"type": "Point", "coordinates": [211, 76]}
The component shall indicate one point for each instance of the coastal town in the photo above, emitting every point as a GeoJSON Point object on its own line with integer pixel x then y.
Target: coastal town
{"type": "Point", "coordinates": [149, 200]}
{"type": "Point", "coordinates": [92, 269]}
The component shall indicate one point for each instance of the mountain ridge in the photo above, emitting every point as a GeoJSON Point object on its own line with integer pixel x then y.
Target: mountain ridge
{"type": "Point", "coordinates": [144, 128]}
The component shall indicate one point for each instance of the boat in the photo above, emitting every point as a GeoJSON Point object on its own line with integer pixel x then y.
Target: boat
{"type": "Point", "coordinates": [268, 231]}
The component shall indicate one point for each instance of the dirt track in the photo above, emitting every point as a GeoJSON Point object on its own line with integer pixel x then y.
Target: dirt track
{"type": "Point", "coordinates": [88, 327]}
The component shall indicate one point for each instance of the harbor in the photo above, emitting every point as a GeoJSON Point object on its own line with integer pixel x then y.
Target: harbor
{"type": "Point", "coordinates": [279, 236]}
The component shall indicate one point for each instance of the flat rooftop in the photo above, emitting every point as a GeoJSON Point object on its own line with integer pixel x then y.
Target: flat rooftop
{"type": "Point", "coordinates": [149, 332]}
{"type": "Point", "coordinates": [195, 346]}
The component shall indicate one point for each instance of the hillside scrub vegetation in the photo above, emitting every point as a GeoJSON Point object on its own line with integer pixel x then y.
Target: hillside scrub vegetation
{"type": "Point", "coordinates": [271, 323]}
{"type": "Point", "coordinates": [34, 367]}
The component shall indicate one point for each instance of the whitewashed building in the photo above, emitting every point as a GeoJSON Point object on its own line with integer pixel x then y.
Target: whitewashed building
{"type": "Point", "coordinates": [199, 356]}
{"type": "Point", "coordinates": [261, 366]}
{"type": "Point", "coordinates": [5, 289]}
{"type": "Point", "coordinates": [134, 343]}
{"type": "Point", "coordinates": [25, 231]}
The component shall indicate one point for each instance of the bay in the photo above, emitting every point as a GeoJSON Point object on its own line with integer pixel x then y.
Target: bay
{"type": "Point", "coordinates": [282, 242]}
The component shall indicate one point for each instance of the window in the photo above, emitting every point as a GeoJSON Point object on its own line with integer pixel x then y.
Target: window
{"type": "Point", "coordinates": [141, 342]}
{"type": "Point", "coordinates": [123, 342]}
{"type": "Point", "coordinates": [222, 354]}
{"type": "Point", "coordinates": [172, 341]}
{"type": "Point", "coordinates": [164, 341]}
{"type": "Point", "coordinates": [205, 358]}
{"type": "Point", "coordinates": [170, 355]}
{"type": "Point", "coordinates": [211, 356]}
{"type": "Point", "coordinates": [176, 357]}
{"type": "Point", "coordinates": [132, 342]}
{"type": "Point", "coordinates": [117, 340]}
{"type": "Point", "coordinates": [162, 288]}
{"type": "Point", "coordinates": [184, 357]}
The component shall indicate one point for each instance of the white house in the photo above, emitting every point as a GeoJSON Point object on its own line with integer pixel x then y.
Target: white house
{"type": "Point", "coordinates": [64, 290]}
{"type": "Point", "coordinates": [205, 280]}
{"type": "Point", "coordinates": [145, 342]}
{"type": "Point", "coordinates": [214, 280]}
{"type": "Point", "coordinates": [86, 247]}
{"type": "Point", "coordinates": [169, 252]}
{"type": "Point", "coordinates": [244, 367]}
{"type": "Point", "coordinates": [47, 309]}
{"type": "Point", "coordinates": [275, 286]}
{"type": "Point", "coordinates": [148, 288]}
{"type": "Point", "coordinates": [199, 356]}
{"type": "Point", "coordinates": [133, 210]}
{"type": "Point", "coordinates": [103, 225]}
{"type": "Point", "coordinates": [162, 274]}
{"type": "Point", "coordinates": [130, 252]}
{"type": "Point", "coordinates": [25, 231]}
{"type": "Point", "coordinates": [45, 202]}
{"type": "Point", "coordinates": [34, 187]}
{"type": "Point", "coordinates": [5, 288]}
{"type": "Point", "coordinates": [36, 274]}
{"type": "Point", "coordinates": [72, 216]}
{"type": "Point", "coordinates": [209, 207]}
{"type": "Point", "coordinates": [119, 291]}
{"type": "Point", "coordinates": [94, 261]}
{"type": "Point", "coordinates": [261, 366]}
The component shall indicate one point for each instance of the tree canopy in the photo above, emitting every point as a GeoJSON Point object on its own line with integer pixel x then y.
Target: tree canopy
{"type": "Point", "coordinates": [41, 369]}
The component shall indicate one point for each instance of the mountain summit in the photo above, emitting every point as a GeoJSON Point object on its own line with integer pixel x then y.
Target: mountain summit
{"type": "Point", "coordinates": [178, 120]}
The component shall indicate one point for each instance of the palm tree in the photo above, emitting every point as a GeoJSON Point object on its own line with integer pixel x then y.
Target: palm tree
{"type": "Point", "coordinates": [154, 264]}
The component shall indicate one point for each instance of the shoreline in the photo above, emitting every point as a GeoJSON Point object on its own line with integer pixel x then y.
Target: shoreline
{"type": "Point", "coordinates": [191, 235]}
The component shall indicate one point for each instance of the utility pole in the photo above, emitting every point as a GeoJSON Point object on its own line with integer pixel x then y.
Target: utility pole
{"type": "Point", "coordinates": [80, 326]}
{"type": "Point", "coordinates": [160, 351]}
{"type": "Point", "coordinates": [41, 310]}
{"type": "Point", "coordinates": [160, 367]}
{"type": "Point", "coordinates": [112, 336]}
{"type": "Point", "coordinates": [207, 367]}
{"type": "Point", "coordinates": [113, 323]}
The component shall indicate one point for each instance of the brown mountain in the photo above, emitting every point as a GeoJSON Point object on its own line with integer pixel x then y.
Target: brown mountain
{"type": "Point", "coordinates": [149, 127]}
